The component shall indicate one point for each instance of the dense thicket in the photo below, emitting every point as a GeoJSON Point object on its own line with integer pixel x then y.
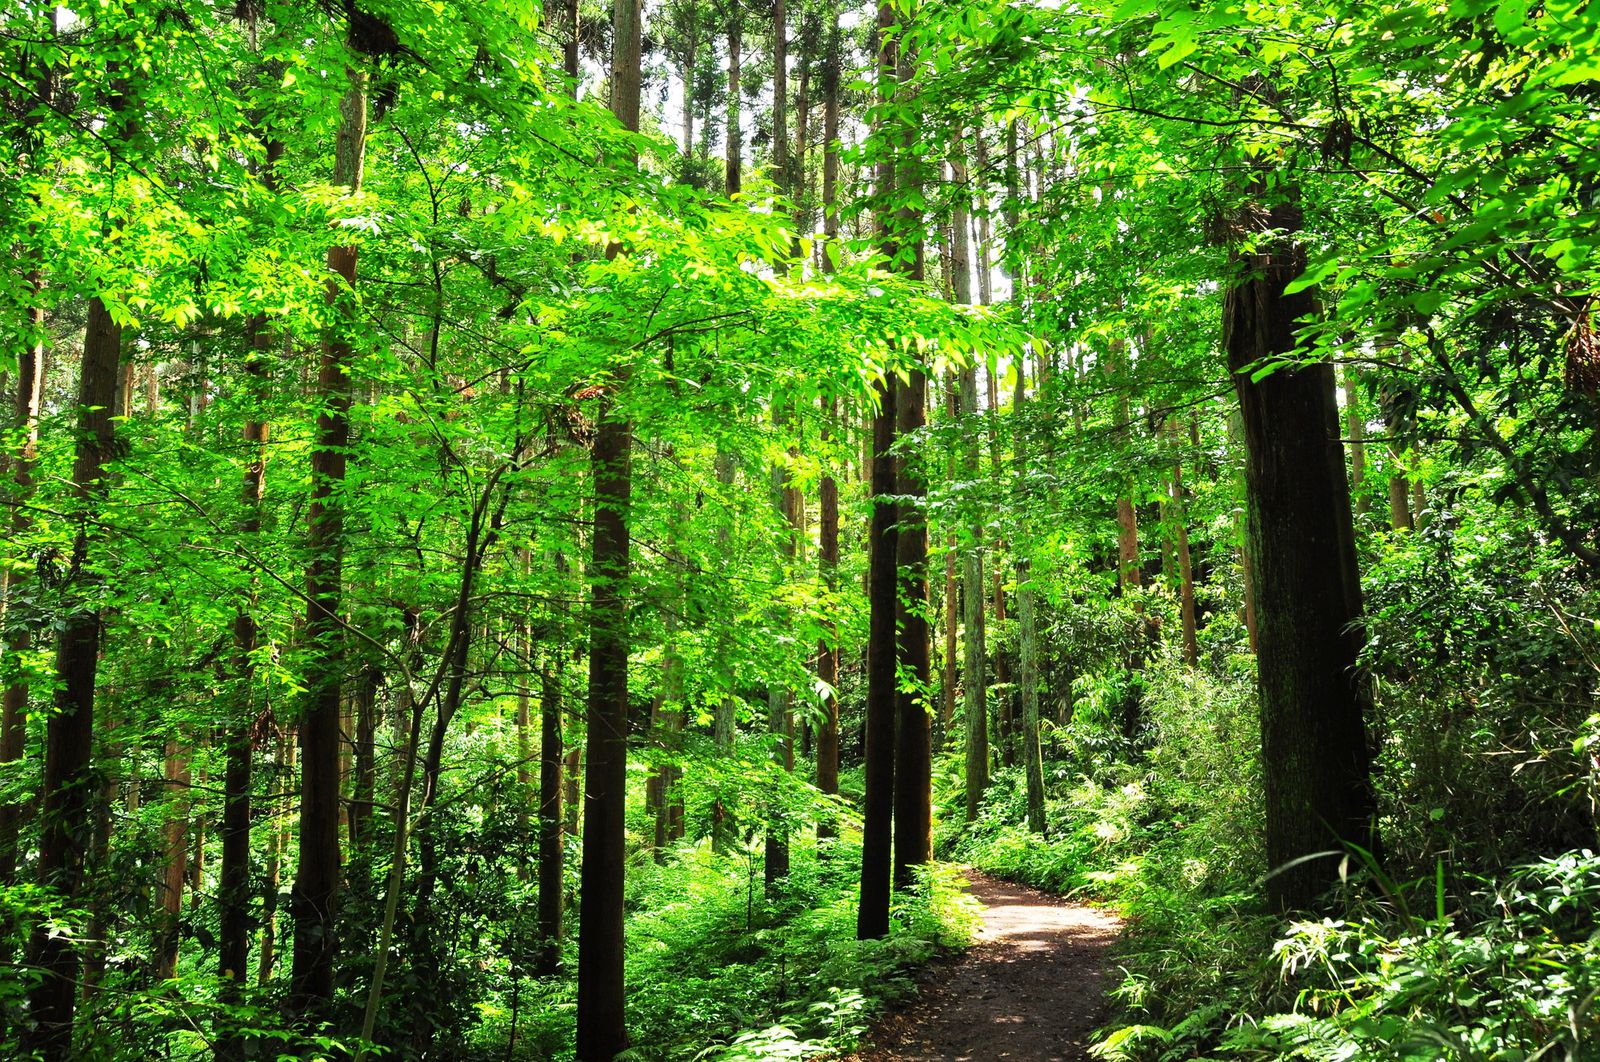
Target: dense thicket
{"type": "Point", "coordinates": [531, 531]}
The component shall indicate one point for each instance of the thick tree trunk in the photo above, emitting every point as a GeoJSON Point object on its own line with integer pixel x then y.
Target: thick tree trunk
{"type": "Point", "coordinates": [602, 1019]}
{"type": "Point", "coordinates": [877, 812]}
{"type": "Point", "coordinates": [69, 785]}
{"type": "Point", "coordinates": [1316, 761]}
{"type": "Point", "coordinates": [313, 902]}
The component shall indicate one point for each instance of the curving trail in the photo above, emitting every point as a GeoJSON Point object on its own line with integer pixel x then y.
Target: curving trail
{"type": "Point", "coordinates": [1032, 989]}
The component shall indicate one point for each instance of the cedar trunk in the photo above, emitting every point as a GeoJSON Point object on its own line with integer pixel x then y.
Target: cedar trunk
{"type": "Point", "coordinates": [1316, 761]}
{"type": "Point", "coordinates": [314, 898]}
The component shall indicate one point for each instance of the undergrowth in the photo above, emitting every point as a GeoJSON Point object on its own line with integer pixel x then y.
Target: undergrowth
{"type": "Point", "coordinates": [721, 972]}
{"type": "Point", "coordinates": [1442, 967]}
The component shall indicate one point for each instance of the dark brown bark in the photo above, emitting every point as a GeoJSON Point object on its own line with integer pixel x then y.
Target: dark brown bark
{"type": "Point", "coordinates": [233, 890]}
{"type": "Point", "coordinates": [877, 811]}
{"type": "Point", "coordinates": [175, 861]}
{"type": "Point", "coordinates": [69, 785]}
{"type": "Point", "coordinates": [1357, 427]}
{"type": "Point", "coordinates": [19, 636]}
{"type": "Point", "coordinates": [828, 649]}
{"type": "Point", "coordinates": [602, 1018]}
{"type": "Point", "coordinates": [1316, 761]}
{"type": "Point", "coordinates": [913, 771]}
{"type": "Point", "coordinates": [733, 168]}
{"type": "Point", "coordinates": [313, 901]}
{"type": "Point", "coordinates": [552, 861]}
{"type": "Point", "coordinates": [1027, 640]}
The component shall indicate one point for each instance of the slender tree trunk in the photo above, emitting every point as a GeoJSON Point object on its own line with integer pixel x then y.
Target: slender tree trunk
{"type": "Point", "coordinates": [19, 634]}
{"type": "Point", "coordinates": [779, 722]}
{"type": "Point", "coordinates": [552, 862]}
{"type": "Point", "coordinates": [30, 355]}
{"type": "Point", "coordinates": [364, 704]}
{"type": "Point", "coordinates": [175, 860]}
{"type": "Point", "coordinates": [1180, 534]}
{"type": "Point", "coordinates": [313, 901]}
{"type": "Point", "coordinates": [828, 646]}
{"type": "Point", "coordinates": [233, 892]}
{"type": "Point", "coordinates": [1316, 761]}
{"type": "Point", "coordinates": [602, 1028]}
{"type": "Point", "coordinates": [69, 785]}
{"type": "Point", "coordinates": [974, 674]}
{"type": "Point", "coordinates": [1028, 644]}
{"type": "Point", "coordinates": [723, 719]}
{"type": "Point", "coordinates": [1357, 427]}
{"type": "Point", "coordinates": [732, 172]}
{"type": "Point", "coordinates": [277, 844]}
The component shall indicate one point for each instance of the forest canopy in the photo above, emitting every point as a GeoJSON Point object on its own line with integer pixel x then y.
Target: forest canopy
{"type": "Point", "coordinates": [558, 532]}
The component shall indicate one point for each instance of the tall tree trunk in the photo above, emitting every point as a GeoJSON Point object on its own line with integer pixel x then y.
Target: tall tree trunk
{"type": "Point", "coordinates": [913, 765]}
{"type": "Point", "coordinates": [1316, 762]}
{"type": "Point", "coordinates": [602, 1028]}
{"type": "Point", "coordinates": [779, 711]}
{"type": "Point", "coordinates": [30, 355]}
{"type": "Point", "coordinates": [314, 899]}
{"type": "Point", "coordinates": [233, 891]}
{"type": "Point", "coordinates": [828, 492]}
{"type": "Point", "coordinates": [175, 860]}
{"type": "Point", "coordinates": [877, 811]}
{"type": "Point", "coordinates": [828, 645]}
{"type": "Point", "coordinates": [277, 845]}
{"type": "Point", "coordinates": [552, 862]}
{"type": "Point", "coordinates": [722, 833]}
{"type": "Point", "coordinates": [1179, 500]}
{"type": "Point", "coordinates": [732, 171]}
{"type": "Point", "coordinates": [19, 634]}
{"type": "Point", "coordinates": [1027, 637]}
{"type": "Point", "coordinates": [974, 674]}
{"type": "Point", "coordinates": [1357, 427]}
{"type": "Point", "coordinates": [69, 785]}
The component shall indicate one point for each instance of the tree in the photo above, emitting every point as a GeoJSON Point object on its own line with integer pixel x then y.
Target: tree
{"type": "Point", "coordinates": [313, 903]}
{"type": "Point", "coordinates": [602, 1023]}
{"type": "Point", "coordinates": [1314, 695]}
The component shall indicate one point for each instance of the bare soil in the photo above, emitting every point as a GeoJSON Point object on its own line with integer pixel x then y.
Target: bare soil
{"type": "Point", "coordinates": [1032, 989]}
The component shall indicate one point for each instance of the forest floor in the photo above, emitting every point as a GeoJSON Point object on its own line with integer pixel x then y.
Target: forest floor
{"type": "Point", "coordinates": [1031, 989]}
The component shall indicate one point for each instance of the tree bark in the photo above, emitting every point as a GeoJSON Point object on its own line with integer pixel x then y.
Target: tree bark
{"type": "Point", "coordinates": [552, 861]}
{"type": "Point", "coordinates": [69, 785]}
{"type": "Point", "coordinates": [733, 169]}
{"type": "Point", "coordinates": [174, 862]}
{"type": "Point", "coordinates": [1357, 427]}
{"type": "Point", "coordinates": [313, 901]}
{"type": "Point", "coordinates": [1027, 641]}
{"type": "Point", "coordinates": [602, 1020]}
{"type": "Point", "coordinates": [1316, 761]}
{"type": "Point", "coordinates": [877, 812]}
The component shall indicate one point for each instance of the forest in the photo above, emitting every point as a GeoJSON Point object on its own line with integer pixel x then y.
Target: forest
{"type": "Point", "coordinates": [715, 530]}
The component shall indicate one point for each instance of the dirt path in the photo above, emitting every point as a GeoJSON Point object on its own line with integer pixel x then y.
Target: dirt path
{"type": "Point", "coordinates": [1031, 990]}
